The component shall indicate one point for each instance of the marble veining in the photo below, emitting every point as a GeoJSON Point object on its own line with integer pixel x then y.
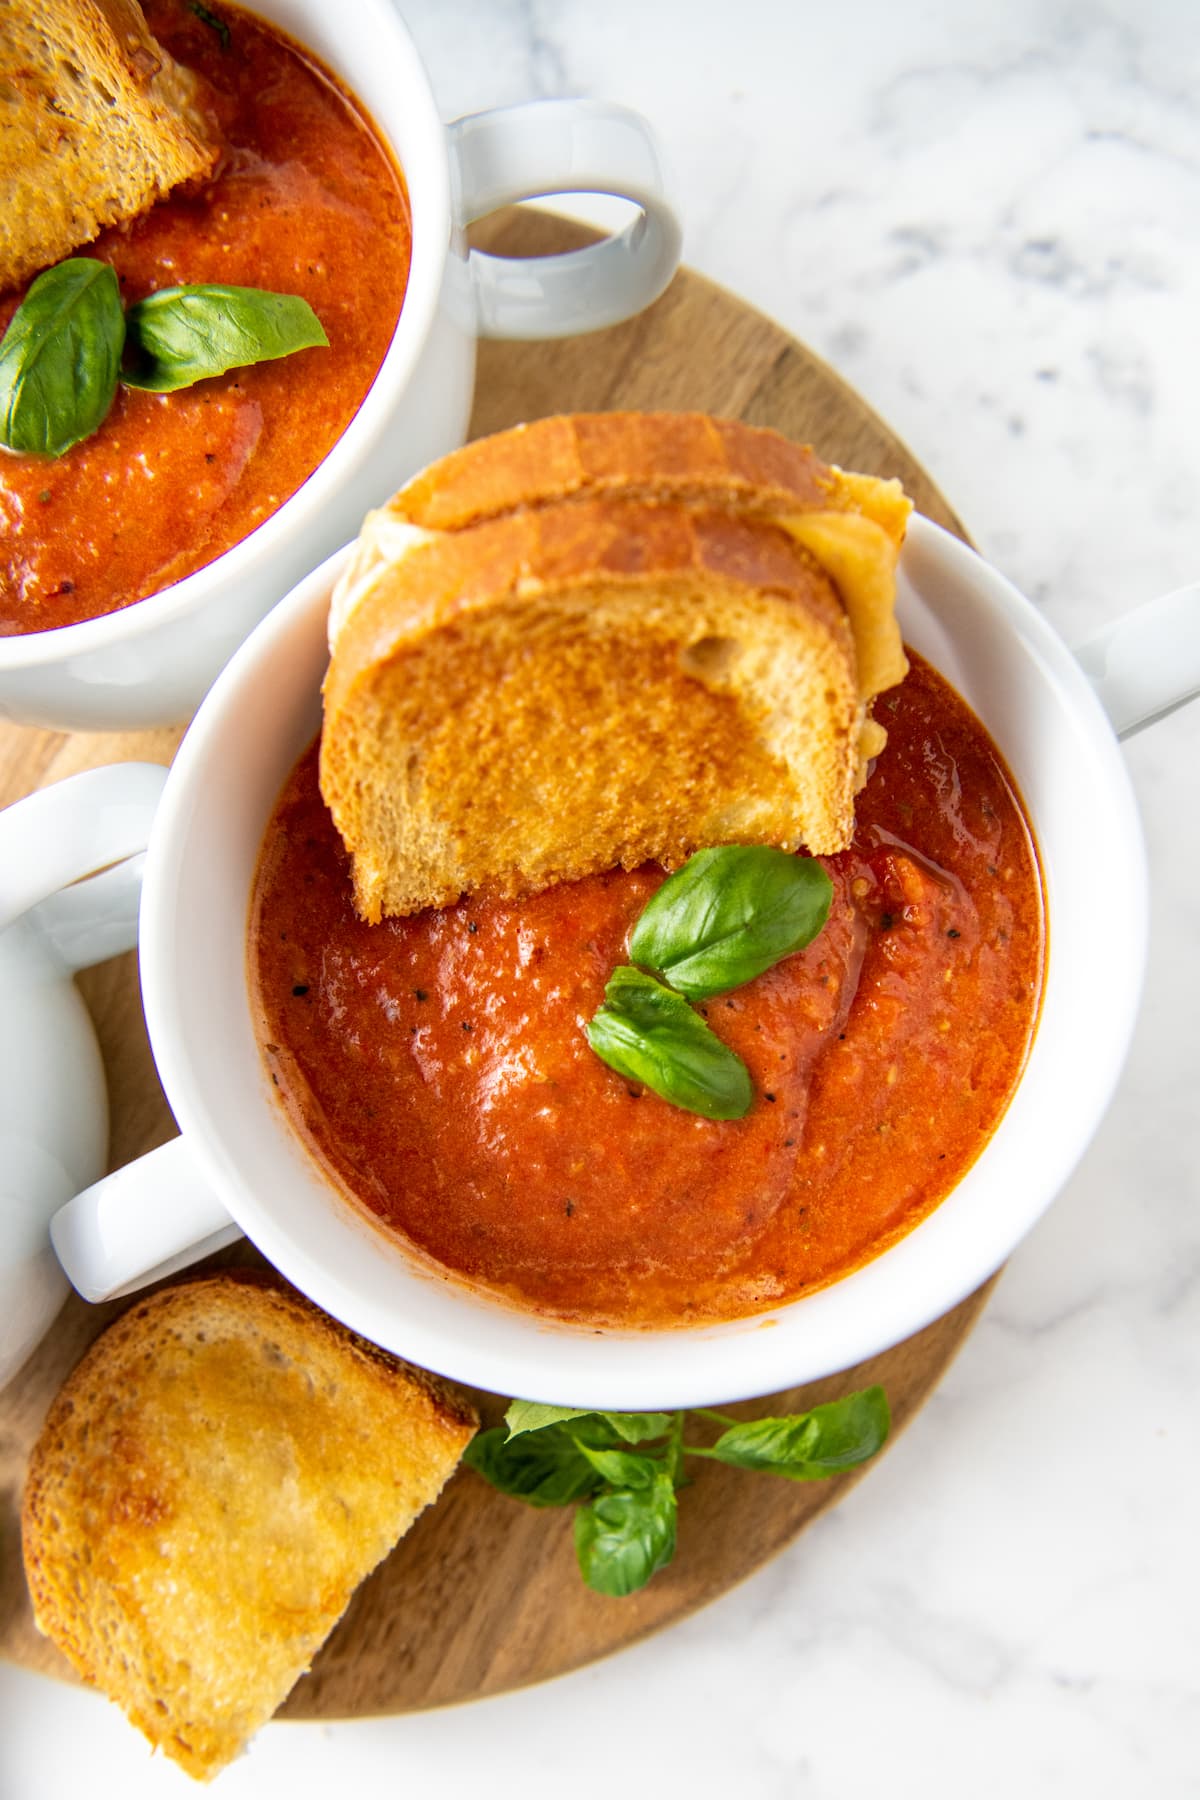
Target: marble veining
{"type": "Point", "coordinates": [987, 219]}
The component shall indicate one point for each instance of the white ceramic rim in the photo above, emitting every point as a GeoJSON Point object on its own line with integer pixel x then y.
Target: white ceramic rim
{"type": "Point", "coordinates": [427, 182]}
{"type": "Point", "coordinates": [1072, 1069]}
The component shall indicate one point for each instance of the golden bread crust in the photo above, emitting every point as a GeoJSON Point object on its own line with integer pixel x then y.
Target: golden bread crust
{"type": "Point", "coordinates": [212, 1482]}
{"type": "Point", "coordinates": [680, 456]}
{"type": "Point", "coordinates": [97, 122]}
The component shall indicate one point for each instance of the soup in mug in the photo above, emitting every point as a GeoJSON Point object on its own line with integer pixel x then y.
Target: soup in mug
{"type": "Point", "coordinates": [304, 200]}
{"type": "Point", "coordinates": [437, 1070]}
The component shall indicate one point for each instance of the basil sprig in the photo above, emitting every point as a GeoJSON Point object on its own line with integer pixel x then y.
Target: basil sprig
{"type": "Point", "coordinates": [627, 1533]}
{"type": "Point", "coordinates": [60, 358]}
{"type": "Point", "coordinates": [809, 1446]}
{"type": "Point", "coordinates": [531, 1415]}
{"type": "Point", "coordinates": [625, 1525]}
{"type": "Point", "coordinates": [728, 915]}
{"type": "Point", "coordinates": [725, 917]}
{"type": "Point", "coordinates": [182, 335]}
{"type": "Point", "coordinates": [545, 1467]}
{"type": "Point", "coordinates": [207, 17]}
{"type": "Point", "coordinates": [652, 1036]}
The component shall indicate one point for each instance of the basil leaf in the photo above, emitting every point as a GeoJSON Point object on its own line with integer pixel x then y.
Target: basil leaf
{"type": "Point", "coordinates": [621, 1468]}
{"type": "Point", "coordinates": [542, 1468]}
{"type": "Point", "coordinates": [531, 1415]}
{"type": "Point", "coordinates": [728, 914]}
{"type": "Point", "coordinates": [185, 334]}
{"type": "Point", "coordinates": [622, 1539]}
{"type": "Point", "coordinates": [651, 1035]}
{"type": "Point", "coordinates": [209, 18]}
{"type": "Point", "coordinates": [809, 1446]}
{"type": "Point", "coordinates": [60, 358]}
{"type": "Point", "coordinates": [636, 1427]}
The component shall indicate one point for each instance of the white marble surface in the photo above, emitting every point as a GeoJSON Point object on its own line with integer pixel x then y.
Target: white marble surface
{"type": "Point", "coordinates": [987, 219]}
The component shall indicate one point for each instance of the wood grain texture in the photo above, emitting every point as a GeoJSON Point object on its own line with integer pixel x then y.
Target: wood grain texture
{"type": "Point", "coordinates": [483, 1594]}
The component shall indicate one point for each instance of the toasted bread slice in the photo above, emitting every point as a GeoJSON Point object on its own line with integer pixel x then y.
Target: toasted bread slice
{"type": "Point", "coordinates": [220, 1472]}
{"type": "Point", "coordinates": [574, 687]}
{"type": "Point", "coordinates": [605, 639]}
{"type": "Point", "coordinates": [97, 122]}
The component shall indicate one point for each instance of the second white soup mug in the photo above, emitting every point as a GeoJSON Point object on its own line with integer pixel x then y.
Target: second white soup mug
{"type": "Point", "coordinates": [151, 663]}
{"type": "Point", "coordinates": [237, 1165]}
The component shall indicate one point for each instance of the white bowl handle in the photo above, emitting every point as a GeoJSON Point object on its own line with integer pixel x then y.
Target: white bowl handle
{"type": "Point", "coordinates": [564, 147]}
{"type": "Point", "coordinates": [147, 1220]}
{"type": "Point", "coordinates": [65, 832]}
{"type": "Point", "coordinates": [1147, 663]}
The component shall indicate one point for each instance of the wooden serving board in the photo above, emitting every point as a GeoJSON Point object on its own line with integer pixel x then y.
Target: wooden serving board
{"type": "Point", "coordinates": [483, 1594]}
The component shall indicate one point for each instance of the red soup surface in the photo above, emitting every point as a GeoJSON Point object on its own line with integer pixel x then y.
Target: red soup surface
{"type": "Point", "coordinates": [305, 200]}
{"type": "Point", "coordinates": [436, 1066]}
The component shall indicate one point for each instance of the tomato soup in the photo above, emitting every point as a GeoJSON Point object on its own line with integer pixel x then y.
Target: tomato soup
{"type": "Point", "coordinates": [305, 200]}
{"type": "Point", "coordinates": [436, 1066]}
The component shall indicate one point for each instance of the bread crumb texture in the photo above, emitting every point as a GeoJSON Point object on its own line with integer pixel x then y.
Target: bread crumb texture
{"type": "Point", "coordinates": [97, 122]}
{"type": "Point", "coordinates": [211, 1484]}
{"type": "Point", "coordinates": [605, 639]}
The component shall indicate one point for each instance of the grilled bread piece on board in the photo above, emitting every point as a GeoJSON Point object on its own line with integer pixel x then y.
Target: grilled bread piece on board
{"type": "Point", "coordinates": [212, 1483]}
{"type": "Point", "coordinates": [603, 639]}
{"type": "Point", "coordinates": [97, 122]}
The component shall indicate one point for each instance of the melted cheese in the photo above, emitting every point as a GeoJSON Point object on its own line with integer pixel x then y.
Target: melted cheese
{"type": "Point", "coordinates": [860, 558]}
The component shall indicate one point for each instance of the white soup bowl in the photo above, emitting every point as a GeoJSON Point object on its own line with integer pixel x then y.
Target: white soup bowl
{"type": "Point", "coordinates": [237, 1165]}
{"type": "Point", "coordinates": [150, 663]}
